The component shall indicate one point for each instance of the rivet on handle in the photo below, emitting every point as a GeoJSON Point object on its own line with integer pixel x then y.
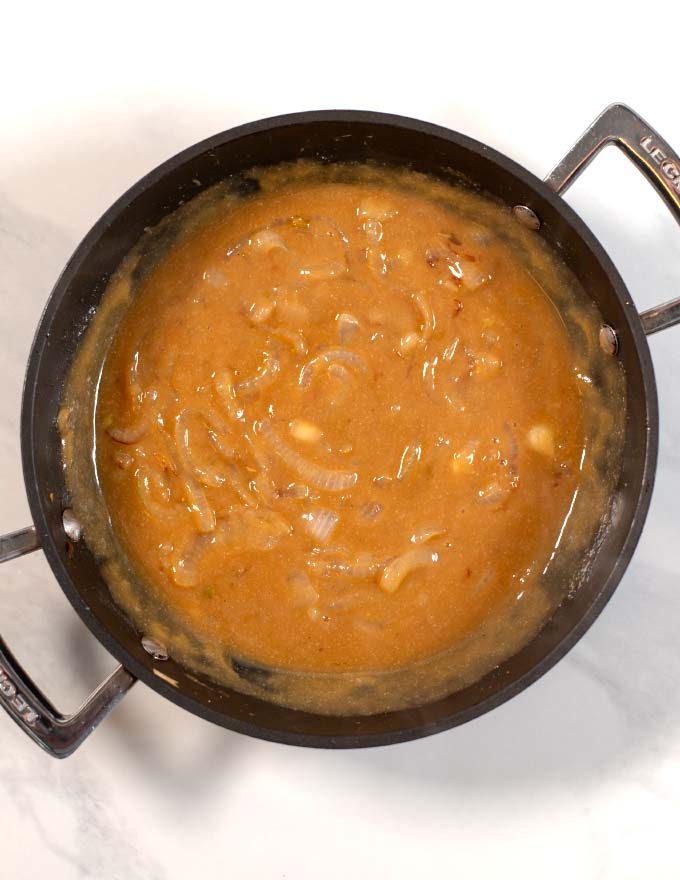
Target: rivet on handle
{"type": "Point", "coordinates": [609, 341]}
{"type": "Point", "coordinates": [526, 217]}
{"type": "Point", "coordinates": [72, 525]}
{"type": "Point", "coordinates": [153, 647]}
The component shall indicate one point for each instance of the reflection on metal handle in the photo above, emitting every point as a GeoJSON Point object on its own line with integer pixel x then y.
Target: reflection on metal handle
{"type": "Point", "coordinates": [653, 156]}
{"type": "Point", "coordinates": [57, 734]}
{"type": "Point", "coordinates": [660, 317]}
{"type": "Point", "coordinates": [17, 543]}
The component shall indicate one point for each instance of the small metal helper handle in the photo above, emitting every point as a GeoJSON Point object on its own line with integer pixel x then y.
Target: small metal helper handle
{"type": "Point", "coordinates": [622, 126]}
{"type": "Point", "coordinates": [57, 734]}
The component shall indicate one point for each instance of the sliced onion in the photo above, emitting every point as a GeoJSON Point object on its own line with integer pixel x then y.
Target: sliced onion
{"type": "Point", "coordinates": [410, 341]}
{"type": "Point", "coordinates": [261, 310]}
{"type": "Point", "coordinates": [485, 579]}
{"type": "Point", "coordinates": [341, 356]}
{"type": "Point", "coordinates": [464, 269]}
{"type": "Point", "coordinates": [321, 524]}
{"type": "Point", "coordinates": [373, 229]}
{"type": "Point", "coordinates": [216, 430]}
{"type": "Point", "coordinates": [422, 304]}
{"type": "Point", "coordinates": [472, 275]}
{"type": "Point", "coordinates": [289, 308]}
{"type": "Point", "coordinates": [208, 476]}
{"type": "Point", "coordinates": [183, 567]}
{"type": "Point", "coordinates": [225, 449]}
{"type": "Point", "coordinates": [422, 536]}
{"type": "Point", "coordinates": [294, 490]}
{"type": "Point", "coordinates": [134, 387]}
{"type": "Point", "coordinates": [263, 378]}
{"type": "Point", "coordinates": [321, 225]}
{"type": "Point", "coordinates": [252, 529]}
{"type": "Point", "coordinates": [215, 277]}
{"type": "Point", "coordinates": [123, 459]}
{"type": "Point", "coordinates": [301, 590]}
{"type": "Point", "coordinates": [348, 327]}
{"type": "Point", "coordinates": [447, 245]}
{"type": "Point", "coordinates": [513, 456]}
{"type": "Point", "coordinates": [370, 511]}
{"type": "Point", "coordinates": [486, 364]}
{"type": "Point", "coordinates": [262, 240]}
{"type": "Point", "coordinates": [493, 493]}
{"type": "Point", "coordinates": [377, 261]}
{"type": "Point", "coordinates": [490, 338]}
{"type": "Point", "coordinates": [324, 271]}
{"type": "Point", "coordinates": [368, 627]}
{"type": "Point", "coordinates": [376, 208]}
{"type": "Point", "coordinates": [346, 601]}
{"type": "Point", "coordinates": [197, 502]}
{"type": "Point", "coordinates": [324, 478]}
{"type": "Point", "coordinates": [134, 432]}
{"type": "Point", "coordinates": [183, 445]}
{"type": "Point", "coordinates": [381, 480]}
{"type": "Point", "coordinates": [396, 571]}
{"type": "Point", "coordinates": [271, 528]}
{"type": "Point", "coordinates": [223, 383]}
{"type": "Point", "coordinates": [409, 459]}
{"type": "Point", "coordinates": [363, 566]}
{"type": "Point", "coordinates": [264, 488]}
{"type": "Point", "coordinates": [445, 373]}
{"type": "Point", "coordinates": [450, 350]}
{"type": "Point", "coordinates": [234, 477]}
{"type": "Point", "coordinates": [432, 257]}
{"type": "Point", "coordinates": [184, 572]}
{"type": "Point", "coordinates": [154, 493]}
{"type": "Point", "coordinates": [262, 484]}
{"type": "Point", "coordinates": [463, 459]}
{"type": "Point", "coordinates": [341, 385]}
{"type": "Point", "coordinates": [292, 337]}
{"type": "Point", "coordinates": [268, 240]}
{"type": "Point", "coordinates": [454, 401]}
{"type": "Point", "coordinates": [261, 458]}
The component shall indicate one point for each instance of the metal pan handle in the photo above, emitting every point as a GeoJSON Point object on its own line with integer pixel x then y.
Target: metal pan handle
{"type": "Point", "coordinates": [622, 126]}
{"type": "Point", "coordinates": [57, 734]}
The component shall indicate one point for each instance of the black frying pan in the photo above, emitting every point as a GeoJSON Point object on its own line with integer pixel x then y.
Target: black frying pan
{"type": "Point", "coordinates": [331, 136]}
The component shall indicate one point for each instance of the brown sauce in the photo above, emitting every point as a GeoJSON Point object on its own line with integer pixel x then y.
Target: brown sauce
{"type": "Point", "coordinates": [345, 426]}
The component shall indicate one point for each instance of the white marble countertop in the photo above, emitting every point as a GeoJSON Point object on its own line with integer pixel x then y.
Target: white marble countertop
{"type": "Point", "coordinates": [579, 776]}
